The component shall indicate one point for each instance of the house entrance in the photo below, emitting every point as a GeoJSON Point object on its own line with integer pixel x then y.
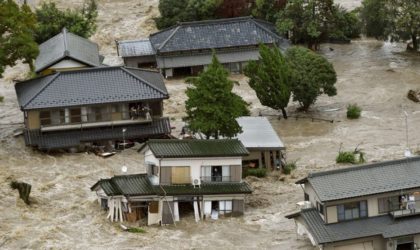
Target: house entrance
{"type": "Point", "coordinates": [186, 208]}
{"type": "Point", "coordinates": [406, 246]}
{"type": "Point", "coordinates": [184, 71]}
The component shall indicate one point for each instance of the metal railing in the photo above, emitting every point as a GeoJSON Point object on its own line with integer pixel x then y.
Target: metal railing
{"type": "Point", "coordinates": [216, 178]}
{"type": "Point", "coordinates": [404, 209]}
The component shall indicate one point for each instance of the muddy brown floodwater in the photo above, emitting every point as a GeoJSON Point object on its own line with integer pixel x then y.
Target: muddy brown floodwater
{"type": "Point", "coordinates": [65, 214]}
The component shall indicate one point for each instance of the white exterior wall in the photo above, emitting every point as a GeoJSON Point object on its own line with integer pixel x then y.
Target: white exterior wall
{"type": "Point", "coordinates": [67, 64]}
{"type": "Point", "coordinates": [332, 216]}
{"type": "Point", "coordinates": [194, 163]}
{"type": "Point", "coordinates": [155, 218]}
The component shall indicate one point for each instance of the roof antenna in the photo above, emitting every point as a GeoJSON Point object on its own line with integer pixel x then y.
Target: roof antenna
{"type": "Point", "coordinates": [407, 152]}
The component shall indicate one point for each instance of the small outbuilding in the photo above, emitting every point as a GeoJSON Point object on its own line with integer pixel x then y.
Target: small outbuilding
{"type": "Point", "coordinates": [266, 149]}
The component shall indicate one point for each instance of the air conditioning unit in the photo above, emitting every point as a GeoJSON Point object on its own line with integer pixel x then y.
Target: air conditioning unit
{"type": "Point", "coordinates": [196, 183]}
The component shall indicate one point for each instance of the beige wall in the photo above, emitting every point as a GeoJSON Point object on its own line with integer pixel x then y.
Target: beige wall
{"type": "Point", "coordinates": [378, 243]}
{"type": "Point", "coordinates": [332, 214]}
{"type": "Point", "coordinates": [372, 203]}
{"type": "Point", "coordinates": [33, 120]}
{"type": "Point", "coordinates": [313, 198]}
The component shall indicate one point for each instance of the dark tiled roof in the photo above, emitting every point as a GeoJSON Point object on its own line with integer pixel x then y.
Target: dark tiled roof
{"type": "Point", "coordinates": [139, 185]}
{"type": "Point", "coordinates": [207, 188]}
{"type": "Point", "coordinates": [67, 45]}
{"type": "Point", "coordinates": [379, 225]}
{"type": "Point", "coordinates": [196, 148]}
{"type": "Point", "coordinates": [366, 179]}
{"type": "Point", "coordinates": [73, 138]}
{"type": "Point", "coordinates": [90, 86]}
{"type": "Point", "coordinates": [212, 34]}
{"type": "Point", "coordinates": [141, 47]}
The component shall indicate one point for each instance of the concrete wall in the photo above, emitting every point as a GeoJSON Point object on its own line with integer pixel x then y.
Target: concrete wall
{"type": "Point", "coordinates": [374, 243]}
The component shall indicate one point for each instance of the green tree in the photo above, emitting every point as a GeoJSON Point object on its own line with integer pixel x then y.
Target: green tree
{"type": "Point", "coordinates": [51, 20]}
{"type": "Point", "coordinates": [311, 76]}
{"type": "Point", "coordinates": [347, 24]}
{"type": "Point", "coordinates": [270, 79]}
{"type": "Point", "coordinates": [211, 106]}
{"type": "Point", "coordinates": [266, 10]}
{"type": "Point", "coordinates": [16, 37]}
{"type": "Point", "coordinates": [375, 18]}
{"type": "Point", "coordinates": [174, 11]}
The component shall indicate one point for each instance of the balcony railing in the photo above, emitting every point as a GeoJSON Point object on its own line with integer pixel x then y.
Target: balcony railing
{"type": "Point", "coordinates": [410, 209]}
{"type": "Point", "coordinates": [216, 179]}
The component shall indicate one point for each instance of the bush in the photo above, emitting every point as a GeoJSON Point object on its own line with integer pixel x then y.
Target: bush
{"type": "Point", "coordinates": [136, 230]}
{"type": "Point", "coordinates": [346, 157]}
{"type": "Point", "coordinates": [257, 172]}
{"type": "Point", "coordinates": [1, 98]}
{"type": "Point", "coordinates": [289, 168]}
{"type": "Point", "coordinates": [353, 111]}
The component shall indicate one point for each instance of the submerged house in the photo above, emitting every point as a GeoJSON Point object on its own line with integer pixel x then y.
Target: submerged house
{"type": "Point", "coordinates": [66, 51]}
{"type": "Point", "coordinates": [69, 109]}
{"type": "Point", "coordinates": [200, 176]}
{"type": "Point", "coordinates": [186, 49]}
{"type": "Point", "coordinates": [369, 207]}
{"type": "Point", "coordinates": [266, 150]}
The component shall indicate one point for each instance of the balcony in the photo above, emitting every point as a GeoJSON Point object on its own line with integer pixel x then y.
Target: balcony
{"type": "Point", "coordinates": [216, 179]}
{"type": "Point", "coordinates": [411, 209]}
{"type": "Point", "coordinates": [93, 120]}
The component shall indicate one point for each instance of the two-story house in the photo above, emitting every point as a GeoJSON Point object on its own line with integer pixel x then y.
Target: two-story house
{"type": "Point", "coordinates": [66, 51]}
{"type": "Point", "coordinates": [374, 206]}
{"type": "Point", "coordinates": [69, 109]}
{"type": "Point", "coordinates": [203, 176]}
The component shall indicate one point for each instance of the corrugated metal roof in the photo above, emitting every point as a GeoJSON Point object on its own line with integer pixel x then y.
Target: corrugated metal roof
{"type": "Point", "coordinates": [67, 45]}
{"type": "Point", "coordinates": [212, 34]}
{"type": "Point", "coordinates": [90, 86]}
{"type": "Point", "coordinates": [139, 185]}
{"type": "Point", "coordinates": [384, 226]}
{"type": "Point", "coordinates": [196, 148]}
{"type": "Point", "coordinates": [133, 48]}
{"type": "Point", "coordinates": [365, 180]}
{"type": "Point", "coordinates": [257, 132]}
{"type": "Point", "coordinates": [73, 138]}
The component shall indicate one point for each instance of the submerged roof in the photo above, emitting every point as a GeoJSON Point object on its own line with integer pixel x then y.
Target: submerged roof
{"type": "Point", "coordinates": [379, 225]}
{"type": "Point", "coordinates": [90, 86]}
{"type": "Point", "coordinates": [196, 148]}
{"type": "Point", "coordinates": [141, 47]}
{"type": "Point", "coordinates": [67, 45]}
{"type": "Point", "coordinates": [257, 132]}
{"type": "Point", "coordinates": [219, 33]}
{"type": "Point", "coordinates": [367, 179]}
{"type": "Point", "coordinates": [140, 185]}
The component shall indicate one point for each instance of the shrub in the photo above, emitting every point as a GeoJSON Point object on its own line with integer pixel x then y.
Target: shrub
{"type": "Point", "coordinates": [1, 98]}
{"type": "Point", "coordinates": [346, 157]}
{"type": "Point", "coordinates": [257, 172]}
{"type": "Point", "coordinates": [289, 168]}
{"type": "Point", "coordinates": [136, 230]}
{"type": "Point", "coordinates": [353, 111]}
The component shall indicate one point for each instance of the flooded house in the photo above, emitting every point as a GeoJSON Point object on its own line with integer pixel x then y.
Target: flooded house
{"type": "Point", "coordinates": [202, 178]}
{"type": "Point", "coordinates": [94, 106]}
{"type": "Point", "coordinates": [186, 49]}
{"type": "Point", "coordinates": [373, 206]}
{"type": "Point", "coordinates": [266, 149]}
{"type": "Point", "coordinates": [66, 51]}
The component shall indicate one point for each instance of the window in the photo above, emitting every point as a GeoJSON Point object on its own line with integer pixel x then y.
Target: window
{"type": "Point", "coordinates": [353, 210]}
{"type": "Point", "coordinates": [388, 204]}
{"type": "Point", "coordinates": [225, 207]}
{"type": "Point", "coordinates": [181, 175]}
{"type": "Point", "coordinates": [306, 197]}
{"type": "Point", "coordinates": [45, 117]}
{"type": "Point", "coordinates": [153, 170]}
{"type": "Point", "coordinates": [215, 173]}
{"type": "Point", "coordinates": [154, 207]}
{"type": "Point", "coordinates": [75, 115]}
{"type": "Point", "coordinates": [320, 208]}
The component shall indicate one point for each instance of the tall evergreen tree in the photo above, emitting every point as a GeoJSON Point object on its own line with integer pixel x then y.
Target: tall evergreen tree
{"type": "Point", "coordinates": [16, 37]}
{"type": "Point", "coordinates": [211, 107]}
{"type": "Point", "coordinates": [270, 79]}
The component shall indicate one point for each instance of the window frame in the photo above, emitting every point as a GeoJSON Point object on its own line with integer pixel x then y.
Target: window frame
{"type": "Point", "coordinates": [343, 212]}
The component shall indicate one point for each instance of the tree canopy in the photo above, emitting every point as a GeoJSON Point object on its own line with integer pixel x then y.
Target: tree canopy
{"type": "Point", "coordinates": [311, 76]}
{"type": "Point", "coordinates": [51, 20]}
{"type": "Point", "coordinates": [211, 106]}
{"type": "Point", "coordinates": [270, 79]}
{"type": "Point", "coordinates": [174, 11]}
{"type": "Point", "coordinates": [397, 20]}
{"type": "Point", "coordinates": [16, 37]}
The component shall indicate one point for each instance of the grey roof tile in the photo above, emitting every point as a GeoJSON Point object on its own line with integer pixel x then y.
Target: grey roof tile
{"type": "Point", "coordinates": [67, 45]}
{"type": "Point", "coordinates": [367, 179]}
{"type": "Point", "coordinates": [384, 226]}
{"type": "Point", "coordinates": [133, 48]}
{"type": "Point", "coordinates": [196, 148]}
{"type": "Point", "coordinates": [73, 138]}
{"type": "Point", "coordinates": [221, 33]}
{"type": "Point", "coordinates": [90, 86]}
